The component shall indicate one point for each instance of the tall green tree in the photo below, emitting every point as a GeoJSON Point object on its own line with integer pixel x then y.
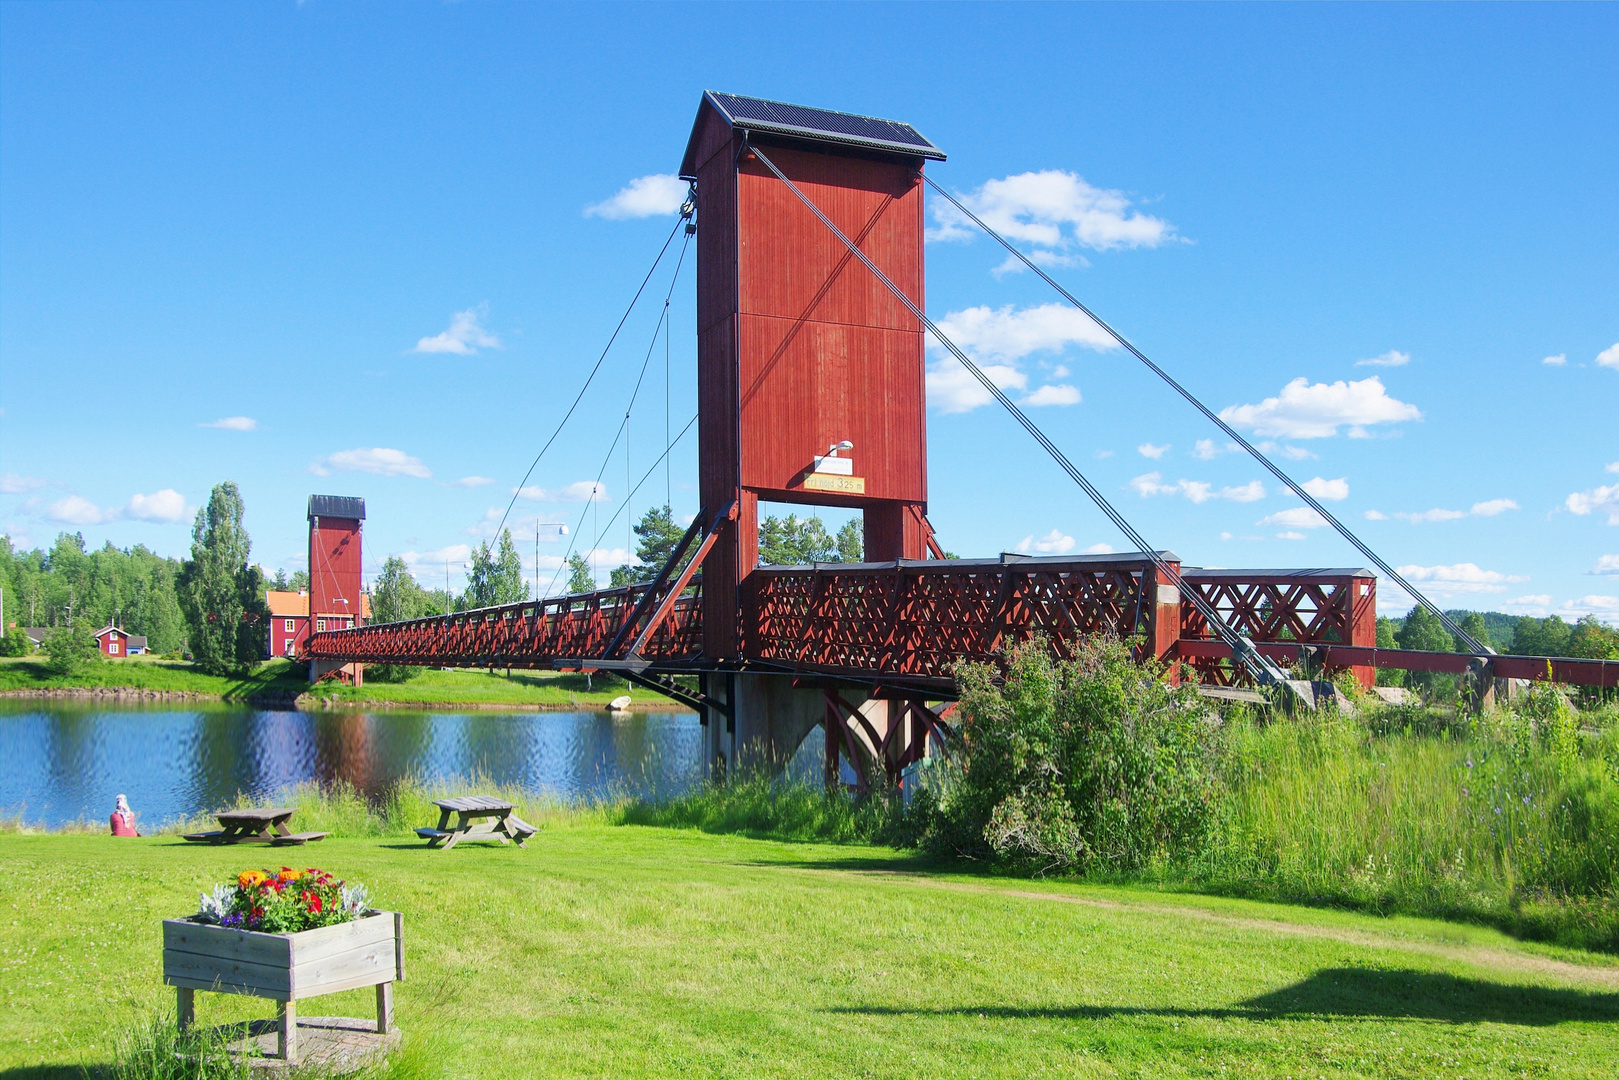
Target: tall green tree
{"type": "Point", "coordinates": [1541, 637]}
{"type": "Point", "coordinates": [1473, 624]}
{"type": "Point", "coordinates": [1423, 630]}
{"type": "Point", "coordinates": [659, 536]}
{"type": "Point", "coordinates": [792, 541]}
{"type": "Point", "coordinates": [851, 541]}
{"type": "Point", "coordinates": [580, 578]}
{"type": "Point", "coordinates": [220, 592]}
{"type": "Point", "coordinates": [396, 597]}
{"type": "Point", "coordinates": [1593, 641]}
{"type": "Point", "coordinates": [496, 576]}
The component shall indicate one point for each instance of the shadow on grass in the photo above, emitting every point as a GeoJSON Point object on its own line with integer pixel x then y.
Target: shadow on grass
{"type": "Point", "coordinates": [1344, 993]}
{"type": "Point", "coordinates": [43, 1072]}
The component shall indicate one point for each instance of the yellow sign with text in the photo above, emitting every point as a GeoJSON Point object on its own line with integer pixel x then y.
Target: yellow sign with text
{"type": "Point", "coordinates": [843, 485]}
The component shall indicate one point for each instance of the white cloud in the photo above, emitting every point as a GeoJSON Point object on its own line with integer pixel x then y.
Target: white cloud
{"type": "Point", "coordinates": [1607, 564]}
{"type": "Point", "coordinates": [1292, 453]}
{"type": "Point", "coordinates": [1007, 334]}
{"type": "Point", "coordinates": [951, 388]}
{"type": "Point", "coordinates": [1392, 358]}
{"type": "Point", "coordinates": [167, 505]}
{"type": "Point", "coordinates": [578, 491]}
{"type": "Point", "coordinates": [1492, 507]}
{"type": "Point", "coordinates": [1054, 394]}
{"type": "Point", "coordinates": [74, 510]}
{"type": "Point", "coordinates": [1295, 517]}
{"type": "Point", "coordinates": [1436, 514]}
{"type": "Point", "coordinates": [1252, 491]}
{"type": "Point", "coordinates": [1147, 449]}
{"type": "Point", "coordinates": [425, 564]}
{"type": "Point", "coordinates": [996, 339]}
{"type": "Point", "coordinates": [233, 423]}
{"type": "Point", "coordinates": [1290, 535]}
{"type": "Point", "coordinates": [1053, 213]}
{"type": "Point", "coordinates": [465, 336]}
{"type": "Point", "coordinates": [473, 481]}
{"type": "Point", "coordinates": [1316, 411]}
{"type": "Point", "coordinates": [1205, 450]}
{"type": "Point", "coordinates": [1603, 499]}
{"type": "Point", "coordinates": [1103, 455]}
{"type": "Point", "coordinates": [645, 196]}
{"type": "Point", "coordinates": [378, 460]}
{"type": "Point", "coordinates": [1197, 491]}
{"type": "Point", "coordinates": [1488, 508]}
{"type": "Point", "coordinates": [1331, 490]}
{"type": "Point", "coordinates": [1612, 466]}
{"type": "Point", "coordinates": [1053, 543]}
{"type": "Point", "coordinates": [1604, 607]}
{"type": "Point", "coordinates": [16, 484]}
{"type": "Point", "coordinates": [1609, 357]}
{"type": "Point", "coordinates": [1459, 578]}
{"type": "Point", "coordinates": [1100, 549]}
{"type": "Point", "coordinates": [1534, 604]}
{"type": "Point", "coordinates": [1556, 361]}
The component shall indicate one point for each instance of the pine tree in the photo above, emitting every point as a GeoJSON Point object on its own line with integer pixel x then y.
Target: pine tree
{"type": "Point", "coordinates": [580, 579]}
{"type": "Point", "coordinates": [496, 576]}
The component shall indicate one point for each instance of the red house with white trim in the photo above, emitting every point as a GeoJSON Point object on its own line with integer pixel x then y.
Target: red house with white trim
{"type": "Point", "coordinates": [289, 620]}
{"type": "Point", "coordinates": [115, 642]}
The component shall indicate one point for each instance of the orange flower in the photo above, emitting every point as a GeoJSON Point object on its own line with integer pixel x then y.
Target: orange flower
{"type": "Point", "coordinates": [251, 879]}
{"type": "Point", "coordinates": [289, 874]}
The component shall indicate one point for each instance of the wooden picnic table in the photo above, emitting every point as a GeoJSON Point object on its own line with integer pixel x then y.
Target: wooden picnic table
{"type": "Point", "coordinates": [252, 826]}
{"type": "Point", "coordinates": [479, 817]}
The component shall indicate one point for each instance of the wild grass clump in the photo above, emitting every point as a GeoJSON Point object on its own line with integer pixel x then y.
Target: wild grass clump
{"type": "Point", "coordinates": [152, 1048]}
{"type": "Point", "coordinates": [759, 806]}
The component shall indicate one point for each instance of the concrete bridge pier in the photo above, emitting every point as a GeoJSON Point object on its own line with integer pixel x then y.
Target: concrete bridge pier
{"type": "Point", "coordinates": [348, 672]}
{"type": "Point", "coordinates": [770, 718]}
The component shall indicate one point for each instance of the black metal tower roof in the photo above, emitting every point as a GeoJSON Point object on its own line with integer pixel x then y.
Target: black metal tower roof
{"type": "Point", "coordinates": [815, 125]}
{"type": "Point", "coordinates": [349, 507]}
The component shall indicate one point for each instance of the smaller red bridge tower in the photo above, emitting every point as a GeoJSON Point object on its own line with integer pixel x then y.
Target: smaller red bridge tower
{"type": "Point", "coordinates": [336, 578]}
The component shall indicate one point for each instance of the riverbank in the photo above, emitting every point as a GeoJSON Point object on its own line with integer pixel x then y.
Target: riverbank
{"type": "Point", "coordinates": [280, 683]}
{"type": "Point", "coordinates": [606, 950]}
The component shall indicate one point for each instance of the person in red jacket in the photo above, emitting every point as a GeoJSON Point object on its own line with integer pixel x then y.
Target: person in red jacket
{"type": "Point", "coordinates": [123, 819]}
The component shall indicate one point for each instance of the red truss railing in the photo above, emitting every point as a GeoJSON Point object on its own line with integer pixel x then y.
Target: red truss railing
{"type": "Point", "coordinates": [910, 622]}
{"type": "Point", "coordinates": [1312, 607]}
{"type": "Point", "coordinates": [530, 634]}
{"type": "Point", "coordinates": [913, 620]}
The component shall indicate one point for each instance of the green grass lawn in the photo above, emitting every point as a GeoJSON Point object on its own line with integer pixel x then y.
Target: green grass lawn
{"type": "Point", "coordinates": [613, 951]}
{"type": "Point", "coordinates": [281, 678]}
{"type": "Point", "coordinates": [149, 673]}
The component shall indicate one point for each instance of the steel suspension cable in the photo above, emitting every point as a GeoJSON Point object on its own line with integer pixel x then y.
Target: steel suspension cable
{"type": "Point", "coordinates": [652, 469]}
{"type": "Point", "coordinates": [1242, 649]}
{"type": "Point", "coordinates": [1310, 500]}
{"type": "Point", "coordinates": [589, 379]}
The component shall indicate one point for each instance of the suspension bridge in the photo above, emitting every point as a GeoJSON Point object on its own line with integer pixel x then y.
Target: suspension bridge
{"type": "Point", "coordinates": [811, 328]}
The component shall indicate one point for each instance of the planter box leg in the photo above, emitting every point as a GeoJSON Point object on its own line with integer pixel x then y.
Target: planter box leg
{"type": "Point", "coordinates": [288, 1037]}
{"type": "Point", "coordinates": [385, 1007]}
{"type": "Point", "coordinates": [185, 1008]}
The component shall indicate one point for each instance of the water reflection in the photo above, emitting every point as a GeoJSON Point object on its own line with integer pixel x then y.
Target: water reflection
{"type": "Point", "coordinates": [61, 763]}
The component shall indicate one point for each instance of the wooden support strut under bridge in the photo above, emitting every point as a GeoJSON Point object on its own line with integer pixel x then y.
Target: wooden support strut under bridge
{"type": "Point", "coordinates": [810, 372]}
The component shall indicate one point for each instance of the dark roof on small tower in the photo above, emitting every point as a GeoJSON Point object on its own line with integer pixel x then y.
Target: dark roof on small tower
{"type": "Point", "coordinates": [349, 507]}
{"type": "Point", "coordinates": [812, 125]}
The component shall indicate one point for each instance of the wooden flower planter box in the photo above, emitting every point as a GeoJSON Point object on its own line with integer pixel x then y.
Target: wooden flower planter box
{"type": "Point", "coordinates": [286, 968]}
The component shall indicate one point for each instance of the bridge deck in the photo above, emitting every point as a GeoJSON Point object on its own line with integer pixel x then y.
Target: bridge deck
{"type": "Point", "coordinates": [909, 622]}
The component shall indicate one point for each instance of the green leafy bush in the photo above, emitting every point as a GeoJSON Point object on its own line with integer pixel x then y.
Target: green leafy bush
{"type": "Point", "coordinates": [1092, 764]}
{"type": "Point", "coordinates": [16, 643]}
{"type": "Point", "coordinates": [71, 649]}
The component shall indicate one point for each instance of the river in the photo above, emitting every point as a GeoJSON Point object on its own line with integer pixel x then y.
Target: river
{"type": "Point", "coordinates": [62, 762]}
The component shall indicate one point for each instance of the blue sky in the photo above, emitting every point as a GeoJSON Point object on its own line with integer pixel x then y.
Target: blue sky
{"type": "Point", "coordinates": [348, 248]}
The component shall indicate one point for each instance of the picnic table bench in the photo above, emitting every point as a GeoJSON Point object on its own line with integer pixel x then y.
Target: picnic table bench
{"type": "Point", "coordinates": [479, 817]}
{"type": "Point", "coordinates": [254, 827]}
